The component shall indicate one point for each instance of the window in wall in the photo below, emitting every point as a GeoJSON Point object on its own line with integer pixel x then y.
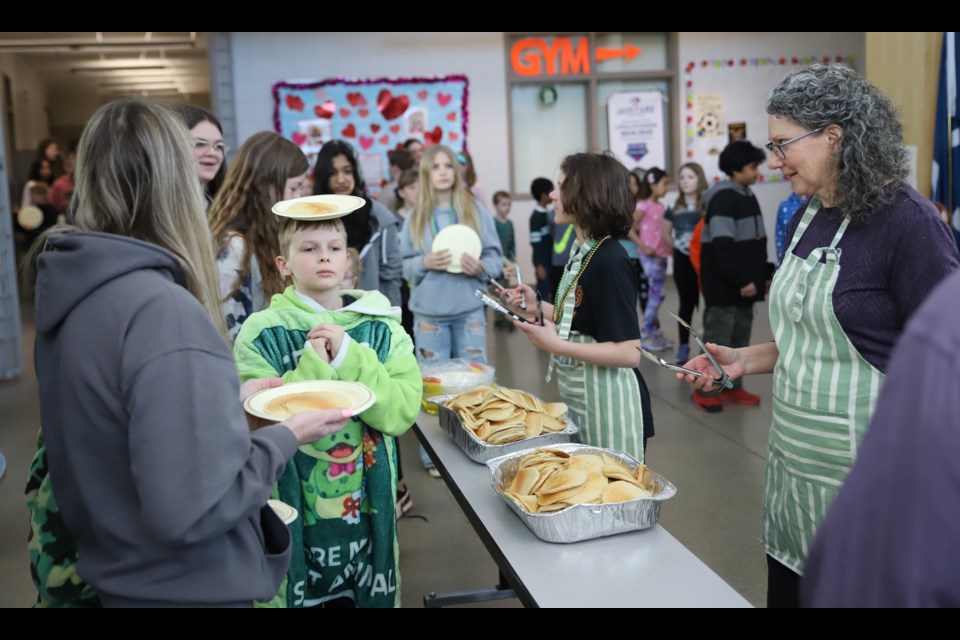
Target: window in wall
{"type": "Point", "coordinates": [544, 134]}
{"type": "Point", "coordinates": [559, 85]}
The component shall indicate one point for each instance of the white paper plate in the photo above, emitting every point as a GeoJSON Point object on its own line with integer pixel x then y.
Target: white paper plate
{"type": "Point", "coordinates": [286, 513]}
{"type": "Point", "coordinates": [339, 393]}
{"type": "Point", "coordinates": [30, 217]}
{"type": "Point", "coordinates": [325, 207]}
{"type": "Point", "coordinates": [459, 239]}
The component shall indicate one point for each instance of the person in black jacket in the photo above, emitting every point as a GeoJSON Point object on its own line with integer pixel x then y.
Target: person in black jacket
{"type": "Point", "coordinates": [733, 262]}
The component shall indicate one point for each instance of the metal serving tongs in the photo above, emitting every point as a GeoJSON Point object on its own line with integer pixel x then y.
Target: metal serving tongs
{"type": "Point", "coordinates": [724, 381]}
{"type": "Point", "coordinates": [669, 365]}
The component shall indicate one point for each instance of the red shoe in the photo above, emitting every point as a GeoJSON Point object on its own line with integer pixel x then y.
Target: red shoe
{"type": "Point", "coordinates": [739, 396]}
{"type": "Point", "coordinates": [710, 404]}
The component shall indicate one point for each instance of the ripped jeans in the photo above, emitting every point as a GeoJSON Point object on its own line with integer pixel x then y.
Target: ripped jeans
{"type": "Point", "coordinates": [441, 339]}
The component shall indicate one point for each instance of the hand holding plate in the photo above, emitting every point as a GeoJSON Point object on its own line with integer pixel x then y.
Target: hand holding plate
{"type": "Point", "coordinates": [471, 266]}
{"type": "Point", "coordinates": [310, 426]}
{"type": "Point", "coordinates": [438, 260]}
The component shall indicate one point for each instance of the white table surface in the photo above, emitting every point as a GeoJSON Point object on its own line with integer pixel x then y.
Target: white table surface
{"type": "Point", "coordinates": [648, 568]}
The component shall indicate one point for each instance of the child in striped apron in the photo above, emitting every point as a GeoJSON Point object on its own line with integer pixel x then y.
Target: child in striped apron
{"type": "Point", "coordinates": [592, 331]}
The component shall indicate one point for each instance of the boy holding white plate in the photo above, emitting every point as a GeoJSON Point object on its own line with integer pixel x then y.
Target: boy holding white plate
{"type": "Point", "coordinates": [343, 486]}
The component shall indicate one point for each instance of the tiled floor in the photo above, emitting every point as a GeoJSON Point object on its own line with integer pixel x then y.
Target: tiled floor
{"type": "Point", "coordinates": [716, 461]}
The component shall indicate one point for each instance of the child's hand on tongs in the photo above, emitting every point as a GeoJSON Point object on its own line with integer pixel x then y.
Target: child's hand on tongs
{"type": "Point", "coordinates": [512, 298]}
{"type": "Point", "coordinates": [544, 337]}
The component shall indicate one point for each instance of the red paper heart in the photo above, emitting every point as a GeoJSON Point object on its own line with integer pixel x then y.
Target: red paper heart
{"type": "Point", "coordinates": [365, 142]}
{"type": "Point", "coordinates": [374, 127]}
{"type": "Point", "coordinates": [349, 131]}
{"type": "Point", "coordinates": [452, 116]}
{"type": "Point", "coordinates": [384, 139]}
{"type": "Point", "coordinates": [391, 107]}
{"type": "Point", "coordinates": [422, 95]}
{"type": "Point", "coordinates": [325, 110]}
{"type": "Point", "coordinates": [294, 103]}
{"type": "Point", "coordinates": [444, 99]}
{"type": "Point", "coordinates": [364, 112]}
{"type": "Point", "coordinates": [453, 135]}
{"type": "Point", "coordinates": [344, 112]}
{"type": "Point", "coordinates": [356, 99]}
{"type": "Point", "coordinates": [433, 137]}
{"type": "Point", "coordinates": [395, 128]}
{"type": "Point", "coordinates": [299, 139]}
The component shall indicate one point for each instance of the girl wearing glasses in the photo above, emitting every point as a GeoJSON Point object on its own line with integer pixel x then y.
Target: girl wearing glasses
{"type": "Point", "coordinates": [209, 151]}
{"type": "Point", "coordinates": [860, 259]}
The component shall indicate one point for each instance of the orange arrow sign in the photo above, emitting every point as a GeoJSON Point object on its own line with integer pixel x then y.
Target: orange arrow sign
{"type": "Point", "coordinates": [629, 52]}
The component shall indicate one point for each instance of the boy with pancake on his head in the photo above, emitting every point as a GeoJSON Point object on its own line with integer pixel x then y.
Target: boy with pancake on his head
{"type": "Point", "coordinates": [343, 486]}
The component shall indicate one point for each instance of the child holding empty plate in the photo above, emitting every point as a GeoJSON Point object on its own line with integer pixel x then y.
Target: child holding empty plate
{"type": "Point", "coordinates": [450, 249]}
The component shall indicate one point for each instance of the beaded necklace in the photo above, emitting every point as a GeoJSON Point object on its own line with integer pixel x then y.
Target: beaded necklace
{"type": "Point", "coordinates": [558, 309]}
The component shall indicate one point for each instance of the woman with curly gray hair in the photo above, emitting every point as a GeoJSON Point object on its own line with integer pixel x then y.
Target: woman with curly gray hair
{"type": "Point", "coordinates": [861, 257]}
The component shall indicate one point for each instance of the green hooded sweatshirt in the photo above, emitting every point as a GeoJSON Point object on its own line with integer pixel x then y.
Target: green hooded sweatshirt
{"type": "Point", "coordinates": [343, 485]}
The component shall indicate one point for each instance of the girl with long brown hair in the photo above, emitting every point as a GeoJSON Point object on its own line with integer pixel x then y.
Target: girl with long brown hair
{"type": "Point", "coordinates": [267, 168]}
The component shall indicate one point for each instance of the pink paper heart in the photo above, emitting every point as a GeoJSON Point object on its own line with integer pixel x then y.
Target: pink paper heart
{"type": "Point", "coordinates": [452, 116]}
{"type": "Point", "coordinates": [453, 135]}
{"type": "Point", "coordinates": [299, 139]}
{"type": "Point", "coordinates": [444, 99]}
{"type": "Point", "coordinates": [384, 139]}
{"type": "Point", "coordinates": [422, 95]}
{"type": "Point", "coordinates": [365, 142]}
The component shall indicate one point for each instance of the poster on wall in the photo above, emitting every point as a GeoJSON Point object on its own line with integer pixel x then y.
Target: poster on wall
{"type": "Point", "coordinates": [711, 130]}
{"type": "Point", "coordinates": [374, 116]}
{"type": "Point", "coordinates": [724, 101]}
{"type": "Point", "coordinates": [636, 132]}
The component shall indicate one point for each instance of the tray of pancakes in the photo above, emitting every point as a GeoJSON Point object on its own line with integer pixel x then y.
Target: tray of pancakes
{"type": "Point", "coordinates": [279, 403]}
{"type": "Point", "coordinates": [487, 422]}
{"type": "Point", "coordinates": [322, 207]}
{"type": "Point", "coordinates": [572, 492]}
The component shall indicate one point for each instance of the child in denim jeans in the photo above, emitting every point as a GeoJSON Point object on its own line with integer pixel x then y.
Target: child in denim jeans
{"type": "Point", "coordinates": [449, 321]}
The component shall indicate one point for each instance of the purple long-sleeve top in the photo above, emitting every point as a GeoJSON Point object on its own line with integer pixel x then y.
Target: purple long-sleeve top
{"type": "Point", "coordinates": [888, 266]}
{"type": "Point", "coordinates": [892, 537]}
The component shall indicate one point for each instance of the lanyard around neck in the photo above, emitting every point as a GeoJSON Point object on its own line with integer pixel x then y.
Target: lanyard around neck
{"type": "Point", "coordinates": [452, 215]}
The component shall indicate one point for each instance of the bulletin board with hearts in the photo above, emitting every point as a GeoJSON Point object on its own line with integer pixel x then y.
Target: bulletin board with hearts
{"type": "Point", "coordinates": [374, 116]}
{"type": "Point", "coordinates": [724, 101]}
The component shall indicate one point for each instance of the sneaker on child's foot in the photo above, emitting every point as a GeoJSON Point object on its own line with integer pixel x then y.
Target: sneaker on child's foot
{"type": "Point", "coordinates": [710, 404]}
{"type": "Point", "coordinates": [434, 472]}
{"type": "Point", "coordinates": [683, 354]}
{"type": "Point", "coordinates": [739, 396]}
{"type": "Point", "coordinates": [404, 502]}
{"type": "Point", "coordinates": [655, 343]}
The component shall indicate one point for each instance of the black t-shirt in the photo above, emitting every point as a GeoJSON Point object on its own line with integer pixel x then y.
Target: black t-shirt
{"type": "Point", "coordinates": [606, 308]}
{"type": "Point", "coordinates": [606, 297]}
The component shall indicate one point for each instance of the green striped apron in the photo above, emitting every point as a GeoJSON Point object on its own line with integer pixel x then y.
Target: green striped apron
{"type": "Point", "coordinates": [823, 395]}
{"type": "Point", "coordinates": [604, 402]}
